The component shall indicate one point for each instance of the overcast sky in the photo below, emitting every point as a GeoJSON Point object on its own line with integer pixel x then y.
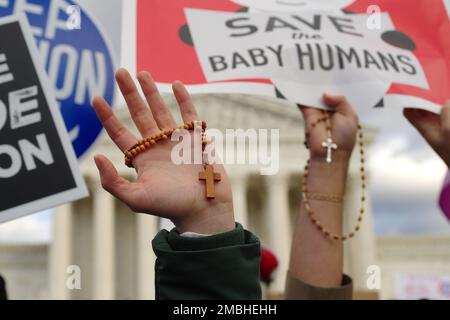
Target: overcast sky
{"type": "Point", "coordinates": [406, 178]}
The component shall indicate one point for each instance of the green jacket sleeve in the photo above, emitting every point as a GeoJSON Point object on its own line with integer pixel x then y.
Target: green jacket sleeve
{"type": "Point", "coordinates": [223, 266]}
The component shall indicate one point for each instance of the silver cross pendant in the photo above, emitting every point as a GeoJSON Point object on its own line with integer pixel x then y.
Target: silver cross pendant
{"type": "Point", "coordinates": [329, 145]}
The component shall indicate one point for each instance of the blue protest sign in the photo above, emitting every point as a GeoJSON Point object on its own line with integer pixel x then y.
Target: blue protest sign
{"type": "Point", "coordinates": [77, 58]}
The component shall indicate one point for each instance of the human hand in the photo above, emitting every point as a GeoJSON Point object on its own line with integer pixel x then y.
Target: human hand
{"type": "Point", "coordinates": [162, 188]}
{"type": "Point", "coordinates": [344, 124]}
{"type": "Point", "coordinates": [434, 128]}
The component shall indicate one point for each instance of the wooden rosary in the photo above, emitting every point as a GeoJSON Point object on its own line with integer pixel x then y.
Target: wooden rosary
{"type": "Point", "coordinates": [329, 145]}
{"type": "Point", "coordinates": [208, 175]}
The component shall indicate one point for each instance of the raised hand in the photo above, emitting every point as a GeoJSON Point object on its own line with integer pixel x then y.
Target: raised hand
{"type": "Point", "coordinates": [162, 188]}
{"type": "Point", "coordinates": [434, 128]}
{"type": "Point", "coordinates": [344, 124]}
{"type": "Point", "coordinates": [315, 259]}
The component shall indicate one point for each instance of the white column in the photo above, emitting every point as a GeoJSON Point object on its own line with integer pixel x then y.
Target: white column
{"type": "Point", "coordinates": [359, 252]}
{"type": "Point", "coordinates": [104, 246]}
{"type": "Point", "coordinates": [278, 226]}
{"type": "Point", "coordinates": [147, 227]}
{"type": "Point", "coordinates": [239, 189]}
{"type": "Point", "coordinates": [60, 252]}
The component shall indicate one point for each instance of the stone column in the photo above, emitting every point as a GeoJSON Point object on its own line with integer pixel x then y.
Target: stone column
{"type": "Point", "coordinates": [239, 189]}
{"type": "Point", "coordinates": [147, 227]}
{"type": "Point", "coordinates": [277, 223]}
{"type": "Point", "coordinates": [104, 245]}
{"type": "Point", "coordinates": [60, 252]}
{"type": "Point", "coordinates": [359, 252]}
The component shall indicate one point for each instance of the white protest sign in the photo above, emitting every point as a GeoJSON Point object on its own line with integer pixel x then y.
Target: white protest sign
{"type": "Point", "coordinates": [304, 54]}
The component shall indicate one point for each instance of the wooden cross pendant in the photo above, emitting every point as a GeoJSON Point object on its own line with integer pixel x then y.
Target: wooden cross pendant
{"type": "Point", "coordinates": [329, 145]}
{"type": "Point", "coordinates": [210, 177]}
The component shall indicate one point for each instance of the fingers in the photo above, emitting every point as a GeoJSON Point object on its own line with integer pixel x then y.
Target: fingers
{"type": "Point", "coordinates": [427, 123]}
{"type": "Point", "coordinates": [119, 187]}
{"type": "Point", "coordinates": [309, 112]}
{"type": "Point", "coordinates": [159, 109]}
{"type": "Point", "coordinates": [340, 104]}
{"type": "Point", "coordinates": [187, 108]}
{"type": "Point", "coordinates": [139, 111]}
{"type": "Point", "coordinates": [123, 138]}
{"type": "Point", "coordinates": [310, 115]}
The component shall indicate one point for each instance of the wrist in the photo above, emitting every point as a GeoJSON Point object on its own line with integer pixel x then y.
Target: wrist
{"type": "Point", "coordinates": [214, 219]}
{"type": "Point", "coordinates": [327, 177]}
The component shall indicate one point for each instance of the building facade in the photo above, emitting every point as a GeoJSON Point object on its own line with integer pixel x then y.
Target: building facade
{"type": "Point", "coordinates": [112, 245]}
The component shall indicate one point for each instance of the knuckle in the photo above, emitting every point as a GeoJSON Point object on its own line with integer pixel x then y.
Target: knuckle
{"type": "Point", "coordinates": [119, 132]}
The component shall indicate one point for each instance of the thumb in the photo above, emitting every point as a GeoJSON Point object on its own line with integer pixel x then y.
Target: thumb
{"type": "Point", "coordinates": [426, 122]}
{"type": "Point", "coordinates": [113, 183]}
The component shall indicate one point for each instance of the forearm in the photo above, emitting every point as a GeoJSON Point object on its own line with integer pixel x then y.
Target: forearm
{"type": "Point", "coordinates": [316, 259]}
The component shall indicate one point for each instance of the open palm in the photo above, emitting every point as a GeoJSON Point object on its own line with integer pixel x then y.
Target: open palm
{"type": "Point", "coordinates": [162, 188]}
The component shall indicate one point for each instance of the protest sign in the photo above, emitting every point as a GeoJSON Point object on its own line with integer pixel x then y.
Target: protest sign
{"type": "Point", "coordinates": [77, 56]}
{"type": "Point", "coordinates": [38, 167]}
{"type": "Point", "coordinates": [396, 56]}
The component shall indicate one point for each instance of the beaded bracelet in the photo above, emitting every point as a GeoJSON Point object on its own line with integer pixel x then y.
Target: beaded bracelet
{"type": "Point", "coordinates": [147, 143]}
{"type": "Point", "coordinates": [324, 197]}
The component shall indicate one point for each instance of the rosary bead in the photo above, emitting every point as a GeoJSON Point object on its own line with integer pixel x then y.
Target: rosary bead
{"type": "Point", "coordinates": [305, 191]}
{"type": "Point", "coordinates": [147, 142]}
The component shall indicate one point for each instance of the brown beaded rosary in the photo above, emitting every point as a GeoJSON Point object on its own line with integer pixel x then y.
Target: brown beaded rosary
{"type": "Point", "coordinates": [329, 145]}
{"type": "Point", "coordinates": [147, 143]}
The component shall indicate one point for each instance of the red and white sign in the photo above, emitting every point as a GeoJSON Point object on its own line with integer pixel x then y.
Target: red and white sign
{"type": "Point", "coordinates": [298, 49]}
